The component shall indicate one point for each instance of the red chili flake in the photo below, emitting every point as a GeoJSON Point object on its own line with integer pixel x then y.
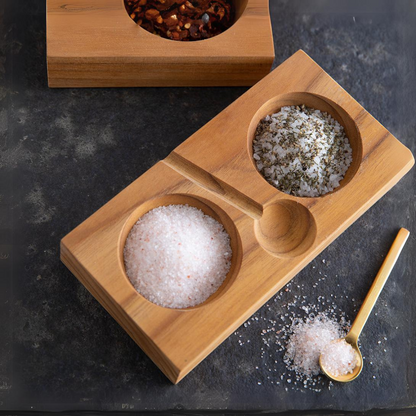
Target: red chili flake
{"type": "Point", "coordinates": [184, 20]}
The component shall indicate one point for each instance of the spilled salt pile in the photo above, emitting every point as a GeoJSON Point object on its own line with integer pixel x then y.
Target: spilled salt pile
{"type": "Point", "coordinates": [308, 340]}
{"type": "Point", "coordinates": [302, 151]}
{"type": "Point", "coordinates": [176, 256]}
{"type": "Point", "coordinates": [339, 358]}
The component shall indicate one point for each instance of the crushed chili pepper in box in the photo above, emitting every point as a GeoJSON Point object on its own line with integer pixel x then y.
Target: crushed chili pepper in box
{"type": "Point", "coordinates": [184, 20]}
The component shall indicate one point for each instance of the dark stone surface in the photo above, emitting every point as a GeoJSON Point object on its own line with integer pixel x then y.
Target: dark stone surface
{"type": "Point", "coordinates": [64, 153]}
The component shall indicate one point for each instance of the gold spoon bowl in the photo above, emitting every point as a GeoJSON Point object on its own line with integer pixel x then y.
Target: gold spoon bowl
{"type": "Point", "coordinates": [355, 372]}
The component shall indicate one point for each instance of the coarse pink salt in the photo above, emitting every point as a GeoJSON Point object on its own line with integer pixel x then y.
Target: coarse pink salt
{"type": "Point", "coordinates": [339, 358]}
{"type": "Point", "coordinates": [176, 256]}
{"type": "Point", "coordinates": [307, 341]}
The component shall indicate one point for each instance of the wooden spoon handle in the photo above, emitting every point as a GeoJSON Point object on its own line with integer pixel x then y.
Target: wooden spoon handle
{"type": "Point", "coordinates": [377, 285]}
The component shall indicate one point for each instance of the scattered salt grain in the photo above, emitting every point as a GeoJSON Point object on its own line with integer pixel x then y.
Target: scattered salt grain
{"type": "Point", "coordinates": [339, 358]}
{"type": "Point", "coordinates": [308, 340]}
{"type": "Point", "coordinates": [176, 256]}
{"type": "Point", "coordinates": [275, 324]}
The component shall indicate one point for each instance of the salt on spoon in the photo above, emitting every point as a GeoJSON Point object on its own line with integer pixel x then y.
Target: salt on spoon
{"type": "Point", "coordinates": [348, 367]}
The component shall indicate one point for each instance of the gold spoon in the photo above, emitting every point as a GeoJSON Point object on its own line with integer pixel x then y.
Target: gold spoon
{"type": "Point", "coordinates": [367, 307]}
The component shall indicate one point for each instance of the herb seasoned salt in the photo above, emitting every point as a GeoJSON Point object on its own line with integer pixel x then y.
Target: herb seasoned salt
{"type": "Point", "coordinates": [302, 151]}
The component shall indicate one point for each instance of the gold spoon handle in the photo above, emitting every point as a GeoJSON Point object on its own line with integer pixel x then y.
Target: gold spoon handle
{"type": "Point", "coordinates": [377, 285]}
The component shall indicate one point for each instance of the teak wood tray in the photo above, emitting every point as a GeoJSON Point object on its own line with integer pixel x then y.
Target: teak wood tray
{"type": "Point", "coordinates": [273, 235]}
{"type": "Point", "coordinates": [95, 43]}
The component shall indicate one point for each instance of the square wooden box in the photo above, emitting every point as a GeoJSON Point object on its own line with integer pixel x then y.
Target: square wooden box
{"type": "Point", "coordinates": [94, 43]}
{"type": "Point", "coordinates": [273, 235]}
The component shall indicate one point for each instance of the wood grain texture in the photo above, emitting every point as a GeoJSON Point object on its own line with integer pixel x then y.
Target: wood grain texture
{"type": "Point", "coordinates": [274, 235]}
{"type": "Point", "coordinates": [94, 43]}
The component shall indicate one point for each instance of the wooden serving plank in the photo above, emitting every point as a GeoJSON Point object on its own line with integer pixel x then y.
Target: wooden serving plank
{"type": "Point", "coordinates": [274, 235]}
{"type": "Point", "coordinates": [94, 43]}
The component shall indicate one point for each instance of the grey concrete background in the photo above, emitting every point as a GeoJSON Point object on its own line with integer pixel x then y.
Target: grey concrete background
{"type": "Point", "coordinates": [64, 153]}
